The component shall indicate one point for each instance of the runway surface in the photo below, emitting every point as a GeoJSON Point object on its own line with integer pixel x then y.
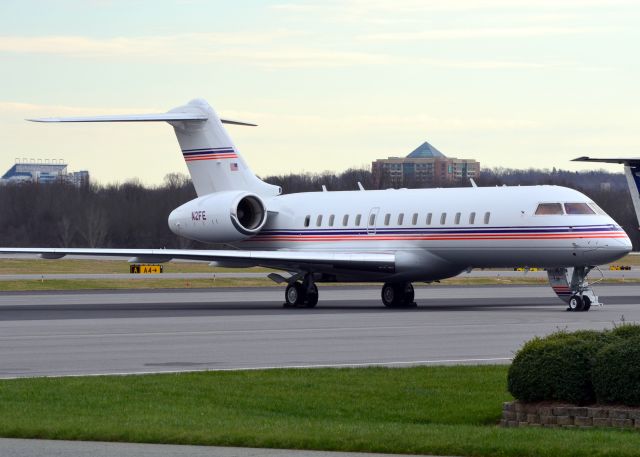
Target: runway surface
{"type": "Point", "coordinates": [75, 333]}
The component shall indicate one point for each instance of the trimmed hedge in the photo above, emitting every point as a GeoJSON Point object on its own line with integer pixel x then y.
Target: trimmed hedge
{"type": "Point", "coordinates": [579, 367]}
{"type": "Point", "coordinates": [616, 372]}
{"type": "Point", "coordinates": [556, 368]}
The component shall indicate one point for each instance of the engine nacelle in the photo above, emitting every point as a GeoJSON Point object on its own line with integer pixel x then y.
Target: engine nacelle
{"type": "Point", "coordinates": [222, 217]}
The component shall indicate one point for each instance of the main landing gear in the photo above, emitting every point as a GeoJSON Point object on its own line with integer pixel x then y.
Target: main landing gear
{"type": "Point", "coordinates": [301, 294]}
{"type": "Point", "coordinates": [572, 287]}
{"type": "Point", "coordinates": [304, 293]}
{"type": "Point", "coordinates": [398, 295]}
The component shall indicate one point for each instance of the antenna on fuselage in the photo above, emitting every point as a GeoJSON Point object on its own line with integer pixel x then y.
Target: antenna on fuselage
{"type": "Point", "coordinates": [360, 186]}
{"type": "Point", "coordinates": [324, 188]}
{"type": "Point", "coordinates": [473, 183]}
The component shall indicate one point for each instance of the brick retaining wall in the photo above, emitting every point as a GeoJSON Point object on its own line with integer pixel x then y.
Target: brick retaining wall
{"type": "Point", "coordinates": [518, 414]}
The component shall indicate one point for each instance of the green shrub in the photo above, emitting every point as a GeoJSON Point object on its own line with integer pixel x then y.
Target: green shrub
{"type": "Point", "coordinates": [626, 331]}
{"type": "Point", "coordinates": [579, 367]}
{"type": "Point", "coordinates": [556, 368]}
{"type": "Point", "coordinates": [616, 369]}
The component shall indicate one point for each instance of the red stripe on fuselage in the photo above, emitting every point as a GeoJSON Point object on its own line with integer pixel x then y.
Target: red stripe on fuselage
{"type": "Point", "coordinates": [365, 237]}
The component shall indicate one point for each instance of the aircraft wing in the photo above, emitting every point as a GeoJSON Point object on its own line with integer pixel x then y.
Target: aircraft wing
{"type": "Point", "coordinates": [285, 260]}
{"type": "Point", "coordinates": [620, 160]}
{"type": "Point", "coordinates": [631, 172]}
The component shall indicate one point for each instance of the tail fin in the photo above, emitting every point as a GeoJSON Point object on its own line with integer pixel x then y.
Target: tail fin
{"type": "Point", "coordinates": [631, 171]}
{"type": "Point", "coordinates": [212, 159]}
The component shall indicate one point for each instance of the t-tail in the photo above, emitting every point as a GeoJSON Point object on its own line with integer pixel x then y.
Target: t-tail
{"type": "Point", "coordinates": [631, 171]}
{"type": "Point", "coordinates": [213, 161]}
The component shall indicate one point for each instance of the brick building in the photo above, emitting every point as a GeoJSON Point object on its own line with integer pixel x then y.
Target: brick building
{"type": "Point", "coordinates": [424, 167]}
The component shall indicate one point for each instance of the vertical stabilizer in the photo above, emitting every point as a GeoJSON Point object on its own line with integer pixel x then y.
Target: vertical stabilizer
{"type": "Point", "coordinates": [212, 159]}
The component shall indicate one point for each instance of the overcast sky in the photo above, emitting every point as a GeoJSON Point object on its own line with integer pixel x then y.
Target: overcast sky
{"type": "Point", "coordinates": [332, 84]}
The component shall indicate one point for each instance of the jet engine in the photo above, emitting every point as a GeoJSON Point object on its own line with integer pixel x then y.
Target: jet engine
{"type": "Point", "coordinates": [221, 217]}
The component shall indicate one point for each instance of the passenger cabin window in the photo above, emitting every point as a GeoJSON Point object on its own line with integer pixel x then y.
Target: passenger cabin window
{"type": "Point", "coordinates": [414, 219]}
{"type": "Point", "coordinates": [577, 208]}
{"type": "Point", "coordinates": [372, 219]}
{"type": "Point", "coordinates": [429, 216]}
{"type": "Point", "coordinates": [544, 209]}
{"type": "Point", "coordinates": [472, 218]}
{"type": "Point", "coordinates": [358, 219]}
{"type": "Point", "coordinates": [319, 220]}
{"type": "Point", "coordinates": [307, 221]}
{"type": "Point", "coordinates": [345, 220]}
{"type": "Point", "coordinates": [487, 217]}
{"type": "Point", "coordinates": [457, 219]}
{"type": "Point", "coordinates": [332, 218]}
{"type": "Point", "coordinates": [387, 218]}
{"type": "Point", "coordinates": [443, 218]}
{"type": "Point", "coordinates": [400, 218]}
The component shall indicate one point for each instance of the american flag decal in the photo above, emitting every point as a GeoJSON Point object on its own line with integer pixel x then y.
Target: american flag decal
{"type": "Point", "coordinates": [234, 166]}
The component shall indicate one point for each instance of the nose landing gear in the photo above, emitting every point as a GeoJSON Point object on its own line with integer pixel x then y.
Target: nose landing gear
{"type": "Point", "coordinates": [573, 288]}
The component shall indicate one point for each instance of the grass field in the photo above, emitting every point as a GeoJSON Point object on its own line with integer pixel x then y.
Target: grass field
{"type": "Point", "coordinates": [61, 266]}
{"type": "Point", "coordinates": [69, 266]}
{"type": "Point", "coordinates": [437, 410]}
{"type": "Point", "coordinates": [157, 283]}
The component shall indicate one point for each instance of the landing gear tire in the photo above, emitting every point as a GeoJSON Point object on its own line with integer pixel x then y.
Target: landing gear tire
{"type": "Point", "coordinates": [576, 303]}
{"type": "Point", "coordinates": [311, 297]}
{"type": "Point", "coordinates": [398, 295]}
{"type": "Point", "coordinates": [409, 294]}
{"type": "Point", "coordinates": [297, 295]}
{"type": "Point", "coordinates": [293, 295]}
{"type": "Point", "coordinates": [587, 303]}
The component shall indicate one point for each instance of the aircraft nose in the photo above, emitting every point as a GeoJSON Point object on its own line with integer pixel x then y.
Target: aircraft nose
{"type": "Point", "coordinates": [626, 245]}
{"type": "Point", "coordinates": [609, 250]}
{"type": "Point", "coordinates": [619, 247]}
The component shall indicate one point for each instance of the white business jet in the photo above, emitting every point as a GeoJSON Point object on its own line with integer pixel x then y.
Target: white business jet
{"type": "Point", "coordinates": [395, 237]}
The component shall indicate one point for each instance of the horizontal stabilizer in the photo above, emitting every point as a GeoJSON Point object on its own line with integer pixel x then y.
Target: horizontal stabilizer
{"type": "Point", "coordinates": [623, 161]}
{"type": "Point", "coordinates": [161, 117]}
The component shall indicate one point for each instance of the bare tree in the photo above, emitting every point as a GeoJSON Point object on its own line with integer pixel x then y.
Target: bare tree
{"type": "Point", "coordinates": [94, 227]}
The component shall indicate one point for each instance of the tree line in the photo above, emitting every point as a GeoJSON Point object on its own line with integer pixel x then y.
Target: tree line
{"type": "Point", "coordinates": [131, 215]}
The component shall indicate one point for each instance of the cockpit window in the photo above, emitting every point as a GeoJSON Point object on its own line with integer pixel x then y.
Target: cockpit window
{"type": "Point", "coordinates": [578, 208]}
{"type": "Point", "coordinates": [549, 208]}
{"type": "Point", "coordinates": [597, 209]}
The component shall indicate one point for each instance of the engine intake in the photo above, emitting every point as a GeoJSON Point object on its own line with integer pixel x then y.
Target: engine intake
{"type": "Point", "coordinates": [249, 215]}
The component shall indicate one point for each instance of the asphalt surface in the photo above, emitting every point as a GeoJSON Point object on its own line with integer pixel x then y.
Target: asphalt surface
{"type": "Point", "coordinates": [77, 333]}
{"type": "Point", "coordinates": [48, 448]}
{"type": "Point", "coordinates": [120, 332]}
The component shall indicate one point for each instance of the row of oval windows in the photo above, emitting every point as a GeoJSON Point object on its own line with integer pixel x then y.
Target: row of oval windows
{"type": "Point", "coordinates": [400, 220]}
{"type": "Point", "coordinates": [542, 209]}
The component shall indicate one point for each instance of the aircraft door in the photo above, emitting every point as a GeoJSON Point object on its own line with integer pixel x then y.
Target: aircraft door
{"type": "Point", "coordinates": [372, 221]}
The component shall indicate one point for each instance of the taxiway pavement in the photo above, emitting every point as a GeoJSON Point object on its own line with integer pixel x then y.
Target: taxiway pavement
{"type": "Point", "coordinates": [49, 448]}
{"type": "Point", "coordinates": [119, 332]}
